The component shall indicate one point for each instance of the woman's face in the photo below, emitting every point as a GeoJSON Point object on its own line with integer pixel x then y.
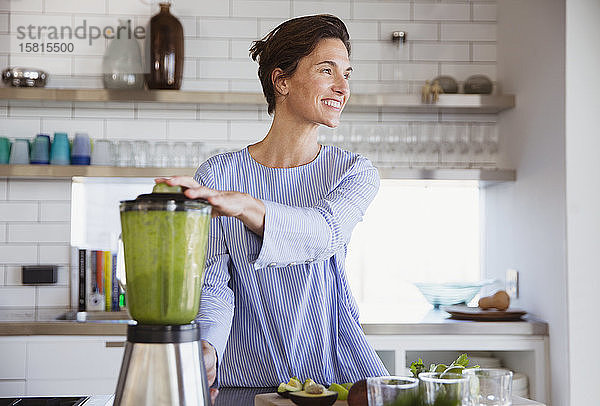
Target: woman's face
{"type": "Point", "coordinates": [318, 90]}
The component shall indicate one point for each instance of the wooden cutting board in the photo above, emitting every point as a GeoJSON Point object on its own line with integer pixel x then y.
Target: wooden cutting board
{"type": "Point", "coordinates": [273, 399]}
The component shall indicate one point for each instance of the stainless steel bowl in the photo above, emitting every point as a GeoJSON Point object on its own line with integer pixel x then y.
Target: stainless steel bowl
{"type": "Point", "coordinates": [24, 77]}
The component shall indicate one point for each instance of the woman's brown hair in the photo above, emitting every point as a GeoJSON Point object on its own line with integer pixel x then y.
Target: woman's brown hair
{"type": "Point", "coordinates": [289, 42]}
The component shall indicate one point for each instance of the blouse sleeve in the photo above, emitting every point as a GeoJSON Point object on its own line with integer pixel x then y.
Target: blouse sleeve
{"type": "Point", "coordinates": [217, 300]}
{"type": "Point", "coordinates": [295, 235]}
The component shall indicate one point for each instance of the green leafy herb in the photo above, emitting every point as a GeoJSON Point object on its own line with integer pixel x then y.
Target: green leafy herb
{"type": "Point", "coordinates": [417, 367]}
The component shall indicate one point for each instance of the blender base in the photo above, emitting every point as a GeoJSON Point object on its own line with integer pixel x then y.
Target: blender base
{"type": "Point", "coordinates": [162, 365]}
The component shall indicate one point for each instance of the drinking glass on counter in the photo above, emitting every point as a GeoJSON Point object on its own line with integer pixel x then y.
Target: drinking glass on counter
{"type": "Point", "coordinates": [60, 151]}
{"type": "Point", "coordinates": [80, 154]}
{"type": "Point", "coordinates": [195, 155]}
{"type": "Point", "coordinates": [4, 150]}
{"type": "Point", "coordinates": [392, 390]}
{"type": "Point", "coordinates": [449, 390]}
{"type": "Point", "coordinates": [489, 386]}
{"type": "Point", "coordinates": [40, 150]}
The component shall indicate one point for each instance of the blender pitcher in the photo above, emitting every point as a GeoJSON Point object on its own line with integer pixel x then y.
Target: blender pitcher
{"type": "Point", "coordinates": [165, 239]}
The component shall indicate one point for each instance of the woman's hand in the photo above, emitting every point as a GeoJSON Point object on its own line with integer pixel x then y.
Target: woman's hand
{"type": "Point", "coordinates": [210, 364]}
{"type": "Point", "coordinates": [242, 206]}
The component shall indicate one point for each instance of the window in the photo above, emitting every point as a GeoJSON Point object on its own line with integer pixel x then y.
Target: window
{"type": "Point", "coordinates": [414, 231]}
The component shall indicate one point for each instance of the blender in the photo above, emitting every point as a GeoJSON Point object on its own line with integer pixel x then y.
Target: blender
{"type": "Point", "coordinates": [165, 240]}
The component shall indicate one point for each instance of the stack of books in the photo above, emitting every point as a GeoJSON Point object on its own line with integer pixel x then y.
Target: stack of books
{"type": "Point", "coordinates": [97, 284]}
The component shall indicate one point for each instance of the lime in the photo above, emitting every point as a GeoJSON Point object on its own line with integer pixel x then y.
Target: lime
{"type": "Point", "coordinates": [164, 188]}
{"type": "Point", "coordinates": [342, 392]}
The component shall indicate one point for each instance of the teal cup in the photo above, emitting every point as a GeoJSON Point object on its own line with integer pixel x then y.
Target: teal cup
{"type": "Point", "coordinates": [4, 150]}
{"type": "Point", "coordinates": [40, 150]}
{"type": "Point", "coordinates": [60, 151]}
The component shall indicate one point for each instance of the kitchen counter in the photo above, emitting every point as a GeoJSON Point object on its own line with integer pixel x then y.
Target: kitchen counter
{"type": "Point", "coordinates": [435, 322]}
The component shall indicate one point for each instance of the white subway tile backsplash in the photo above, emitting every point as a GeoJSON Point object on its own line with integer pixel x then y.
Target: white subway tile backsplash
{"type": "Point", "coordinates": [4, 22]}
{"type": "Point", "coordinates": [19, 127]}
{"type": "Point", "coordinates": [17, 296]}
{"type": "Point", "coordinates": [83, 111]}
{"type": "Point", "coordinates": [208, 112]}
{"type": "Point", "coordinates": [55, 211]}
{"type": "Point", "coordinates": [196, 130]}
{"type": "Point", "coordinates": [484, 12]}
{"type": "Point", "coordinates": [87, 66]}
{"type": "Point", "coordinates": [218, 8]}
{"type": "Point", "coordinates": [13, 275]}
{"type": "Point", "coordinates": [94, 128]}
{"type": "Point", "coordinates": [261, 8]}
{"type": "Point", "coordinates": [207, 48]}
{"type": "Point", "coordinates": [378, 51]}
{"type": "Point", "coordinates": [40, 232]}
{"type": "Point", "coordinates": [150, 112]}
{"type": "Point", "coordinates": [414, 31]}
{"type": "Point", "coordinates": [48, 189]}
{"type": "Point", "coordinates": [3, 189]}
{"type": "Point", "coordinates": [21, 22]}
{"type": "Point", "coordinates": [249, 130]}
{"type": "Point", "coordinates": [440, 52]}
{"type": "Point", "coordinates": [364, 71]}
{"type": "Point", "coordinates": [2, 273]}
{"type": "Point", "coordinates": [64, 112]}
{"type": "Point", "coordinates": [189, 26]}
{"type": "Point", "coordinates": [480, 118]}
{"type": "Point", "coordinates": [56, 65]}
{"type": "Point", "coordinates": [461, 72]}
{"type": "Point", "coordinates": [25, 6]}
{"type": "Point", "coordinates": [151, 130]}
{"type": "Point", "coordinates": [227, 69]}
{"type": "Point", "coordinates": [52, 296]}
{"type": "Point", "coordinates": [130, 8]}
{"type": "Point", "coordinates": [484, 53]}
{"type": "Point", "coordinates": [364, 30]}
{"type": "Point", "coordinates": [245, 86]}
{"type": "Point", "coordinates": [19, 211]}
{"type": "Point", "coordinates": [341, 9]}
{"type": "Point", "coordinates": [378, 10]}
{"type": "Point", "coordinates": [265, 25]}
{"type": "Point", "coordinates": [409, 71]}
{"type": "Point", "coordinates": [468, 32]}
{"type": "Point", "coordinates": [205, 85]}
{"type": "Point", "coordinates": [54, 254]}
{"type": "Point", "coordinates": [228, 27]}
{"type": "Point", "coordinates": [75, 6]}
{"type": "Point", "coordinates": [240, 48]}
{"type": "Point", "coordinates": [2, 232]}
{"type": "Point", "coordinates": [189, 68]}
{"type": "Point", "coordinates": [18, 254]}
{"type": "Point", "coordinates": [442, 11]}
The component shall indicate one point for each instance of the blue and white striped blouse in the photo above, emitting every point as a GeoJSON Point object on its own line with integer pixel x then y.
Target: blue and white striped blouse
{"type": "Point", "coordinates": [280, 305]}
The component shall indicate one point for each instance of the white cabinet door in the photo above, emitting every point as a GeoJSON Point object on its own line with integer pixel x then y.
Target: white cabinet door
{"type": "Point", "coordinates": [12, 358]}
{"type": "Point", "coordinates": [74, 357]}
{"type": "Point", "coordinates": [12, 388]}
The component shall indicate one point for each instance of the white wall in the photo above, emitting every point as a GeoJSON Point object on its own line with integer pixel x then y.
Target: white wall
{"type": "Point", "coordinates": [583, 195]}
{"type": "Point", "coordinates": [525, 220]}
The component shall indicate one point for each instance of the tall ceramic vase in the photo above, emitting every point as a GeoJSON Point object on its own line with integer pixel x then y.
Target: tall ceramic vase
{"type": "Point", "coordinates": [122, 62]}
{"type": "Point", "coordinates": [165, 50]}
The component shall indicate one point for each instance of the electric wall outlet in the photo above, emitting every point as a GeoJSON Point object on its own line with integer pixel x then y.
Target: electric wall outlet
{"type": "Point", "coordinates": [512, 283]}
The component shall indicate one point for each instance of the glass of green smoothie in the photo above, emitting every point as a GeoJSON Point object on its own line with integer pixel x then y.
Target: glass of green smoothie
{"type": "Point", "coordinates": [165, 238]}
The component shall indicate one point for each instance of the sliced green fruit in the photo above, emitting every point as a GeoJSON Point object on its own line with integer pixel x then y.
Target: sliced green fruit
{"type": "Point", "coordinates": [347, 385]}
{"type": "Point", "coordinates": [164, 188]}
{"type": "Point", "coordinates": [307, 382]}
{"type": "Point", "coordinates": [295, 383]}
{"type": "Point", "coordinates": [342, 391]}
{"type": "Point", "coordinates": [314, 389]}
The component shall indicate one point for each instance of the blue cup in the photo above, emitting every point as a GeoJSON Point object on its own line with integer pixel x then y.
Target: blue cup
{"type": "Point", "coordinates": [40, 150]}
{"type": "Point", "coordinates": [4, 150]}
{"type": "Point", "coordinates": [60, 151]}
{"type": "Point", "coordinates": [80, 154]}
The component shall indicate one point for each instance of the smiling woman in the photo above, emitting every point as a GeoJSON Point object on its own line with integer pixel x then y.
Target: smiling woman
{"type": "Point", "coordinates": [276, 301]}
